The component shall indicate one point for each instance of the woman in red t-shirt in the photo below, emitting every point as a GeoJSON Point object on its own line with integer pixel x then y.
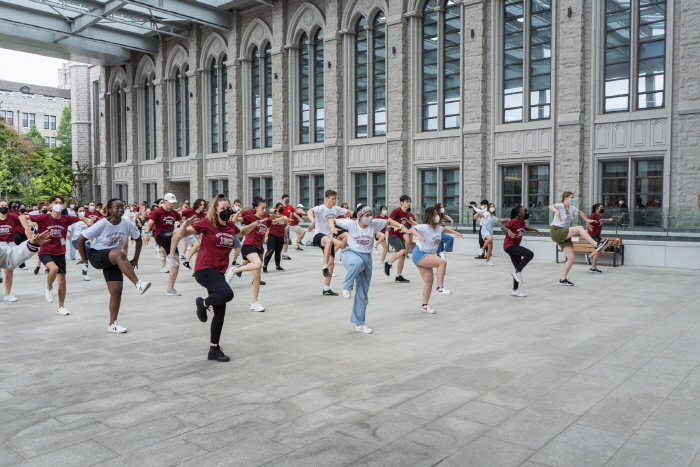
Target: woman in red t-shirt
{"type": "Point", "coordinates": [218, 233]}
{"type": "Point", "coordinates": [594, 231]}
{"type": "Point", "coordinates": [519, 255]}
{"type": "Point", "coordinates": [8, 226]}
{"type": "Point", "coordinates": [276, 240]}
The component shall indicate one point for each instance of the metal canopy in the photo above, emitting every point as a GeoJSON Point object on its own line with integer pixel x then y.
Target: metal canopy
{"type": "Point", "coordinates": [104, 32]}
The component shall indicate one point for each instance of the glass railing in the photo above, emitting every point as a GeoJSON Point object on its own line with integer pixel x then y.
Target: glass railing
{"type": "Point", "coordinates": [670, 224]}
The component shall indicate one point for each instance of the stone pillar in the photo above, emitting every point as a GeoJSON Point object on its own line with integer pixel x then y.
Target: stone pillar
{"type": "Point", "coordinates": [196, 155]}
{"type": "Point", "coordinates": [102, 174]}
{"type": "Point", "coordinates": [334, 100]}
{"type": "Point", "coordinates": [235, 112]}
{"type": "Point", "coordinates": [81, 125]}
{"type": "Point", "coordinates": [280, 102]}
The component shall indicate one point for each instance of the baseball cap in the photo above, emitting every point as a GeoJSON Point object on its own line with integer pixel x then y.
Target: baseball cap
{"type": "Point", "coordinates": [170, 198]}
{"type": "Point", "coordinates": [300, 205]}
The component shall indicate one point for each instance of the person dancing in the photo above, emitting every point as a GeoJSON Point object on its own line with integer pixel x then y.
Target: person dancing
{"type": "Point", "coordinates": [594, 231]}
{"type": "Point", "coordinates": [519, 255]}
{"type": "Point", "coordinates": [381, 235]}
{"type": "Point", "coordinates": [397, 239]}
{"type": "Point", "coordinates": [162, 223]}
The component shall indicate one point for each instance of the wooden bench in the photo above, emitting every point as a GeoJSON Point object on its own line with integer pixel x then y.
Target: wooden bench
{"type": "Point", "coordinates": [614, 244]}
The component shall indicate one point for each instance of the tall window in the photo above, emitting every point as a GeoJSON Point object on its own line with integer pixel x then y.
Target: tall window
{"type": "Point", "coordinates": [52, 121]}
{"type": "Point", "coordinates": [262, 97]}
{"type": "Point", "coordinates": [512, 186]}
{"type": "Point", "coordinates": [378, 189]}
{"type": "Point", "coordinates": [147, 118]}
{"type": "Point", "coordinates": [262, 187]}
{"type": "Point", "coordinates": [46, 122]}
{"type": "Point", "coordinates": [644, 38]}
{"type": "Point", "coordinates": [525, 183]}
{"type": "Point", "coordinates": [441, 65]}
{"type": "Point", "coordinates": [311, 190]}
{"type": "Point", "coordinates": [25, 120]}
{"type": "Point", "coordinates": [648, 187]}
{"type": "Point", "coordinates": [32, 119]}
{"type": "Point", "coordinates": [527, 67]}
{"type": "Point", "coordinates": [370, 77]}
{"type": "Point", "coordinates": [614, 182]}
{"type": "Point", "coordinates": [214, 105]}
{"type": "Point", "coordinates": [96, 120]}
{"type": "Point", "coordinates": [361, 192]}
{"type": "Point", "coordinates": [180, 113]}
{"type": "Point", "coordinates": [186, 97]}
{"type": "Point", "coordinates": [311, 89]}
{"type": "Point", "coordinates": [121, 131]}
{"type": "Point", "coordinates": [538, 186]}
{"type": "Point", "coordinates": [224, 104]}
{"type": "Point", "coordinates": [370, 188]}
{"type": "Point", "coordinates": [429, 190]}
{"type": "Point", "coordinates": [441, 185]}
{"type": "Point", "coordinates": [218, 113]}
{"type": "Point", "coordinates": [7, 116]}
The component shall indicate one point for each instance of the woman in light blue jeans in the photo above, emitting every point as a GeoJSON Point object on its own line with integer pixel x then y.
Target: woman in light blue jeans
{"type": "Point", "coordinates": [357, 258]}
{"type": "Point", "coordinates": [446, 241]}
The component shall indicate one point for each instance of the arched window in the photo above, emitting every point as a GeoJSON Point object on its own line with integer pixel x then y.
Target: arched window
{"type": "Point", "coordinates": [149, 121]}
{"type": "Point", "coordinates": [261, 90]}
{"type": "Point", "coordinates": [121, 129]}
{"type": "Point", "coordinates": [311, 89]}
{"type": "Point", "coordinates": [370, 78]}
{"type": "Point", "coordinates": [214, 109]}
{"type": "Point", "coordinates": [441, 65]}
{"type": "Point", "coordinates": [182, 112]}
{"type": "Point", "coordinates": [224, 106]}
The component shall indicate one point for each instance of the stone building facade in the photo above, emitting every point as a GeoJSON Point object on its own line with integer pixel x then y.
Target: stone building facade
{"type": "Point", "coordinates": [23, 105]}
{"type": "Point", "coordinates": [446, 100]}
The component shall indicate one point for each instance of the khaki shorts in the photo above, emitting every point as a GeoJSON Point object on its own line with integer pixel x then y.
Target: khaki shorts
{"type": "Point", "coordinates": [297, 229]}
{"type": "Point", "coordinates": [559, 235]}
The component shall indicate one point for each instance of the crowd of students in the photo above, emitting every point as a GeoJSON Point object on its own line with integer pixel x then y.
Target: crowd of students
{"type": "Point", "coordinates": [212, 232]}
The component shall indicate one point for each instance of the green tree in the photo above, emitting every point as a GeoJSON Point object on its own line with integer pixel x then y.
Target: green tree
{"type": "Point", "coordinates": [64, 136]}
{"type": "Point", "coordinates": [54, 177]}
{"type": "Point", "coordinates": [35, 137]}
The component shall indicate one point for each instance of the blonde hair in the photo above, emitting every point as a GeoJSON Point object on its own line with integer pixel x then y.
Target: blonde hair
{"type": "Point", "coordinates": [213, 213]}
{"type": "Point", "coordinates": [565, 195]}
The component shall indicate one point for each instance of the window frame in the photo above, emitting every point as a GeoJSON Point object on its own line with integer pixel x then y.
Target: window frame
{"type": "Point", "coordinates": [440, 188]}
{"type": "Point", "coordinates": [265, 188]}
{"type": "Point", "coordinates": [374, 110]}
{"type": "Point", "coordinates": [221, 184]}
{"type": "Point", "coordinates": [316, 192]}
{"type": "Point", "coordinates": [310, 49]}
{"type": "Point", "coordinates": [524, 181]}
{"type": "Point", "coordinates": [181, 110]}
{"type": "Point", "coordinates": [261, 67]}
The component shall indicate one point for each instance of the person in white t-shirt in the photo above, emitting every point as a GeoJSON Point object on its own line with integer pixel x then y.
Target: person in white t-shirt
{"type": "Point", "coordinates": [428, 237]}
{"type": "Point", "coordinates": [560, 231]}
{"type": "Point", "coordinates": [74, 231]}
{"type": "Point", "coordinates": [323, 237]}
{"type": "Point", "coordinates": [357, 258]}
{"type": "Point", "coordinates": [110, 234]}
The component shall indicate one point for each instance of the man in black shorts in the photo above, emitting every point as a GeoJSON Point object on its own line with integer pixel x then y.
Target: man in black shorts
{"type": "Point", "coordinates": [162, 222]}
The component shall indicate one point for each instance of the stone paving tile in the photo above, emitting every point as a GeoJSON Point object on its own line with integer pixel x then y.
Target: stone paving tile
{"type": "Point", "coordinates": [677, 418]}
{"type": "Point", "coordinates": [154, 409]}
{"type": "Point", "coordinates": [246, 453]}
{"type": "Point", "coordinates": [96, 407]}
{"type": "Point", "coordinates": [448, 433]}
{"type": "Point", "coordinates": [8, 456]}
{"type": "Point", "coordinates": [384, 428]}
{"type": "Point", "coordinates": [484, 413]}
{"type": "Point", "coordinates": [164, 454]}
{"type": "Point", "coordinates": [335, 450]}
{"type": "Point", "coordinates": [399, 453]}
{"type": "Point", "coordinates": [78, 455]}
{"type": "Point", "coordinates": [230, 430]}
{"type": "Point", "coordinates": [146, 434]}
{"type": "Point", "coordinates": [619, 414]}
{"type": "Point", "coordinates": [488, 452]}
{"type": "Point", "coordinates": [648, 449]}
{"type": "Point", "coordinates": [572, 397]}
{"type": "Point", "coordinates": [579, 446]}
{"type": "Point", "coordinates": [205, 414]}
{"type": "Point", "coordinates": [532, 427]}
{"type": "Point", "coordinates": [27, 426]}
{"type": "Point", "coordinates": [35, 444]}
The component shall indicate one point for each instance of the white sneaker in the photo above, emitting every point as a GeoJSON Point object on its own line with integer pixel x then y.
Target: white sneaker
{"type": "Point", "coordinates": [48, 295]}
{"type": "Point", "coordinates": [481, 252]}
{"type": "Point", "coordinates": [9, 298]}
{"type": "Point", "coordinates": [116, 327]}
{"type": "Point", "coordinates": [159, 255]}
{"type": "Point", "coordinates": [84, 266]}
{"type": "Point", "coordinates": [427, 309]}
{"type": "Point", "coordinates": [24, 268]}
{"type": "Point", "coordinates": [443, 255]}
{"type": "Point", "coordinates": [489, 263]}
{"type": "Point", "coordinates": [517, 293]}
{"type": "Point", "coordinates": [347, 294]}
{"type": "Point", "coordinates": [257, 307]}
{"type": "Point", "coordinates": [172, 292]}
{"type": "Point", "coordinates": [86, 278]}
{"type": "Point", "coordinates": [363, 329]}
{"type": "Point", "coordinates": [62, 311]}
{"type": "Point", "coordinates": [334, 275]}
{"type": "Point", "coordinates": [229, 275]}
{"type": "Point", "coordinates": [173, 260]}
{"type": "Point", "coordinates": [517, 276]}
{"type": "Point", "coordinates": [443, 291]}
{"type": "Point", "coordinates": [142, 286]}
{"type": "Point", "coordinates": [165, 270]}
{"type": "Point", "coordinates": [381, 263]}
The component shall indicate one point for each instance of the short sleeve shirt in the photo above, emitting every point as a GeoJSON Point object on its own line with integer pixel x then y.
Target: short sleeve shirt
{"type": "Point", "coordinates": [257, 235]}
{"type": "Point", "coordinates": [401, 217]}
{"type": "Point", "coordinates": [164, 220]}
{"type": "Point", "coordinates": [94, 216]}
{"type": "Point", "coordinates": [322, 214]}
{"type": "Point", "coordinates": [431, 238]}
{"type": "Point", "coordinates": [216, 245]}
{"type": "Point", "coordinates": [8, 227]}
{"type": "Point", "coordinates": [359, 239]}
{"type": "Point", "coordinates": [516, 226]}
{"type": "Point", "coordinates": [379, 216]}
{"type": "Point", "coordinates": [566, 217]}
{"type": "Point", "coordinates": [596, 227]}
{"type": "Point", "coordinates": [108, 236]}
{"type": "Point", "coordinates": [58, 228]}
{"type": "Point", "coordinates": [187, 213]}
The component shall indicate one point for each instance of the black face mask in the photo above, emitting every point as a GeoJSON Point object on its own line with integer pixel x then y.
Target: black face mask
{"type": "Point", "coordinates": [4, 210]}
{"type": "Point", "coordinates": [602, 211]}
{"type": "Point", "coordinates": [225, 215]}
{"type": "Point", "coordinates": [280, 210]}
{"type": "Point", "coordinates": [22, 210]}
{"type": "Point", "coordinates": [44, 211]}
{"type": "Point", "coordinates": [408, 210]}
{"type": "Point", "coordinates": [526, 216]}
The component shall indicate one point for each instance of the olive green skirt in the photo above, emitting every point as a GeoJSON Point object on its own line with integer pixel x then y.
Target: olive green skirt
{"type": "Point", "coordinates": [559, 235]}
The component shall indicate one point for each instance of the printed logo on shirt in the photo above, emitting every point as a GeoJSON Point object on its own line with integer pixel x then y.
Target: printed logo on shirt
{"type": "Point", "coordinates": [226, 240]}
{"type": "Point", "coordinates": [5, 230]}
{"type": "Point", "coordinates": [116, 238]}
{"type": "Point", "coordinates": [56, 230]}
{"type": "Point", "coordinates": [364, 240]}
{"type": "Point", "coordinates": [169, 221]}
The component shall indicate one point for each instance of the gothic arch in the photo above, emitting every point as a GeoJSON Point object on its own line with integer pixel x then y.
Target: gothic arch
{"type": "Point", "coordinates": [366, 8]}
{"type": "Point", "coordinates": [118, 76]}
{"type": "Point", "coordinates": [177, 58]}
{"type": "Point", "coordinates": [215, 46]}
{"type": "Point", "coordinates": [307, 19]}
{"type": "Point", "coordinates": [258, 34]}
{"type": "Point", "coordinates": [146, 68]}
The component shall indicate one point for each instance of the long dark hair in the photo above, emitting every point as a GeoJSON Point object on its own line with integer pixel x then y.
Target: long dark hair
{"type": "Point", "coordinates": [515, 211]}
{"type": "Point", "coordinates": [595, 207]}
{"type": "Point", "coordinates": [428, 217]}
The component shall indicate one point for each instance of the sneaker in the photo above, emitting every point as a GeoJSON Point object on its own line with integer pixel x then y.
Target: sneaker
{"type": "Point", "coordinates": [116, 327]}
{"type": "Point", "coordinates": [86, 278]}
{"type": "Point", "coordinates": [48, 295]}
{"type": "Point", "coordinates": [595, 270]}
{"type": "Point", "coordinates": [517, 293]}
{"type": "Point", "coordinates": [363, 329]}
{"type": "Point", "coordinates": [443, 291]}
{"type": "Point", "coordinates": [186, 264]}
{"type": "Point", "coordinates": [183, 257]}
{"type": "Point", "coordinates": [201, 309]}
{"type": "Point", "coordinates": [23, 267]}
{"type": "Point", "coordinates": [442, 255]}
{"type": "Point", "coordinates": [285, 256]}
{"type": "Point", "coordinates": [264, 268]}
{"type": "Point", "coordinates": [172, 259]}
{"type": "Point", "coordinates": [165, 270]}
{"type": "Point", "coordinates": [381, 263]}
{"type": "Point", "coordinates": [279, 268]}
{"type": "Point", "coordinates": [216, 353]}
{"type": "Point", "coordinates": [159, 255]}
{"type": "Point", "coordinates": [257, 307]}
{"type": "Point", "coordinates": [400, 278]}
{"type": "Point", "coordinates": [566, 282]}
{"type": "Point", "coordinates": [489, 263]}
{"type": "Point", "coordinates": [37, 269]}
{"type": "Point", "coordinates": [326, 272]}
{"type": "Point", "coordinates": [298, 248]}
{"type": "Point", "coordinates": [482, 256]}
{"type": "Point", "coordinates": [588, 259]}
{"type": "Point", "coordinates": [84, 267]}
{"type": "Point", "coordinates": [387, 268]}
{"type": "Point", "coordinates": [347, 294]}
{"type": "Point", "coordinates": [517, 276]}
{"type": "Point", "coordinates": [62, 311]}
{"type": "Point", "coordinates": [172, 292]}
{"type": "Point", "coordinates": [9, 298]}
{"type": "Point", "coordinates": [329, 292]}
{"type": "Point", "coordinates": [601, 245]}
{"type": "Point", "coordinates": [262, 283]}
{"type": "Point", "coordinates": [482, 252]}
{"type": "Point", "coordinates": [427, 309]}
{"type": "Point", "coordinates": [229, 275]}
{"type": "Point", "coordinates": [142, 286]}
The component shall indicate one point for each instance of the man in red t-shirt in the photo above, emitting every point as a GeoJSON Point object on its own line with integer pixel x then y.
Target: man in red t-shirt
{"type": "Point", "coordinates": [53, 253]}
{"type": "Point", "coordinates": [198, 210]}
{"type": "Point", "coordinates": [287, 211]}
{"type": "Point", "coordinates": [162, 223]}
{"type": "Point", "coordinates": [396, 238]}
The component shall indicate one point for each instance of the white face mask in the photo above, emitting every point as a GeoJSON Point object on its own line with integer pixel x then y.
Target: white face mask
{"type": "Point", "coordinates": [57, 208]}
{"type": "Point", "coordinates": [384, 212]}
{"type": "Point", "coordinates": [366, 220]}
{"type": "Point", "coordinates": [622, 202]}
{"type": "Point", "coordinates": [236, 208]}
{"type": "Point", "coordinates": [92, 208]}
{"type": "Point", "coordinates": [72, 206]}
{"type": "Point", "coordinates": [436, 219]}
{"type": "Point", "coordinates": [492, 209]}
{"type": "Point", "coordinates": [442, 210]}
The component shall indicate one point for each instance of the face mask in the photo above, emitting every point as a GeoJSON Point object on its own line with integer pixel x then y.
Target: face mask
{"type": "Point", "coordinates": [622, 202]}
{"type": "Point", "coordinates": [72, 206]}
{"type": "Point", "coordinates": [366, 220]}
{"type": "Point", "coordinates": [572, 201]}
{"type": "Point", "coordinates": [408, 210]}
{"type": "Point", "coordinates": [236, 208]}
{"type": "Point", "coordinates": [492, 209]}
{"type": "Point", "coordinates": [280, 210]}
{"type": "Point", "coordinates": [34, 208]}
{"type": "Point", "coordinates": [442, 210]}
{"type": "Point", "coordinates": [81, 213]}
{"type": "Point", "coordinates": [526, 216]}
{"type": "Point", "coordinates": [436, 219]}
{"type": "Point", "coordinates": [22, 210]}
{"type": "Point", "coordinates": [92, 208]}
{"type": "Point", "coordinates": [225, 215]}
{"type": "Point", "coordinates": [4, 210]}
{"type": "Point", "coordinates": [384, 212]}
{"type": "Point", "coordinates": [44, 211]}
{"type": "Point", "coordinates": [57, 208]}
{"type": "Point", "coordinates": [602, 211]}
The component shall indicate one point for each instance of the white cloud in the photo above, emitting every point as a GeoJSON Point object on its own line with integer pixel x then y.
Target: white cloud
{"type": "Point", "coordinates": [29, 68]}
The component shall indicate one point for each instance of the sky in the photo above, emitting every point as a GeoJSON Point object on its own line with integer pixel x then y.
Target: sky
{"type": "Point", "coordinates": [29, 68]}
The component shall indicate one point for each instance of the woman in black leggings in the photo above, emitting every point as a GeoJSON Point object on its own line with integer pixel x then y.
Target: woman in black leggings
{"type": "Point", "coordinates": [276, 239]}
{"type": "Point", "coordinates": [519, 255]}
{"type": "Point", "coordinates": [218, 239]}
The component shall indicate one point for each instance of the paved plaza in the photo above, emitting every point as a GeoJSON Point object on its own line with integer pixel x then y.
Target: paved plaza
{"type": "Point", "coordinates": [604, 373]}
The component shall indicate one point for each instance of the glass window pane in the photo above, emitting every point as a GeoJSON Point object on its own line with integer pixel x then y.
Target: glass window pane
{"type": "Point", "coordinates": [652, 31]}
{"type": "Point", "coordinates": [513, 56]}
{"type": "Point", "coordinates": [617, 5]}
{"type": "Point", "coordinates": [513, 115]}
{"type": "Point", "coordinates": [614, 104]}
{"type": "Point", "coordinates": [540, 51]}
{"type": "Point", "coordinates": [540, 67]}
{"type": "Point", "coordinates": [651, 83]}
{"type": "Point", "coordinates": [651, 13]}
{"type": "Point", "coordinates": [651, 49]}
{"type": "Point", "coordinates": [651, 66]}
{"type": "Point", "coordinates": [649, 101]}
{"type": "Point", "coordinates": [618, 20]}
{"type": "Point", "coordinates": [540, 82]}
{"type": "Point", "coordinates": [616, 88]}
{"type": "Point", "coordinates": [513, 100]}
{"type": "Point", "coordinates": [619, 37]}
{"type": "Point", "coordinates": [513, 71]}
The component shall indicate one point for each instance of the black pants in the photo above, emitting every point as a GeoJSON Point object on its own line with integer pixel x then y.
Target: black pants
{"type": "Point", "coordinates": [481, 239]}
{"type": "Point", "coordinates": [220, 294]}
{"type": "Point", "coordinates": [519, 256]}
{"type": "Point", "coordinates": [275, 245]}
{"type": "Point", "coordinates": [19, 238]}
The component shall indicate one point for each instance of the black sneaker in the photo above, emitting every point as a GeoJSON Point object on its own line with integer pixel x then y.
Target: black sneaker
{"type": "Point", "coordinates": [201, 309]}
{"type": "Point", "coordinates": [588, 259]}
{"type": "Point", "coordinates": [298, 248]}
{"type": "Point", "coordinates": [480, 257]}
{"type": "Point", "coordinates": [601, 245]}
{"type": "Point", "coordinates": [566, 282]}
{"type": "Point", "coordinates": [326, 273]}
{"type": "Point", "coordinates": [387, 268]}
{"type": "Point", "coordinates": [239, 274]}
{"type": "Point", "coordinates": [595, 270]}
{"type": "Point", "coordinates": [216, 353]}
{"type": "Point", "coordinates": [265, 269]}
{"type": "Point", "coordinates": [37, 269]}
{"type": "Point", "coordinates": [46, 271]}
{"type": "Point", "coordinates": [187, 265]}
{"type": "Point", "coordinates": [262, 283]}
{"type": "Point", "coordinates": [330, 292]}
{"type": "Point", "coordinates": [400, 278]}
{"type": "Point", "coordinates": [280, 268]}
{"type": "Point", "coordinates": [235, 264]}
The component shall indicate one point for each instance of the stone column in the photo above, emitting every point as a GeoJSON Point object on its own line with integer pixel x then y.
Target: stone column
{"type": "Point", "coordinates": [196, 154]}
{"type": "Point", "coordinates": [102, 174]}
{"type": "Point", "coordinates": [235, 112]}
{"type": "Point", "coordinates": [334, 100]}
{"type": "Point", "coordinates": [280, 102]}
{"type": "Point", "coordinates": [132, 132]}
{"type": "Point", "coordinates": [81, 125]}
